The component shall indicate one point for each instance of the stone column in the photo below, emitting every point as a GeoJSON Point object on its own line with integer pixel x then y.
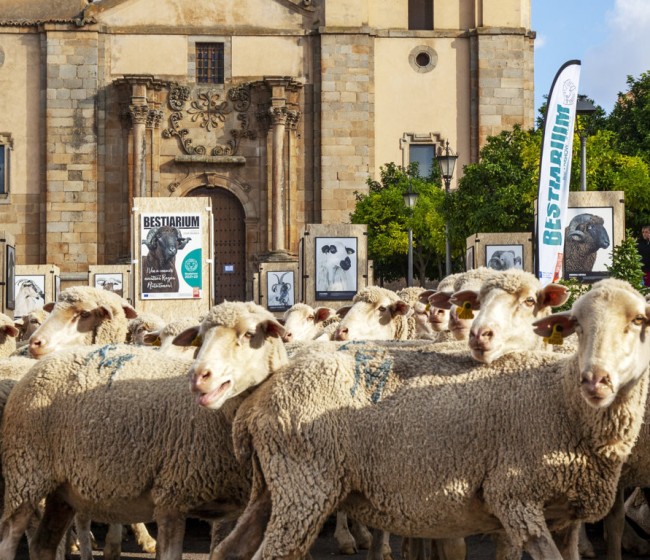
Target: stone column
{"type": "Point", "coordinates": [278, 124]}
{"type": "Point", "coordinates": [139, 112]}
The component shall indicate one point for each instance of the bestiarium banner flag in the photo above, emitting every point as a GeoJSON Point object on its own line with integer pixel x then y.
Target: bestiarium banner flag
{"type": "Point", "coordinates": [555, 171]}
{"type": "Point", "coordinates": [171, 256]}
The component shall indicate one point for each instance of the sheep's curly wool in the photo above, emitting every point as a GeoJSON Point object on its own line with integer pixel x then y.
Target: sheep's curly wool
{"type": "Point", "coordinates": [150, 321]}
{"type": "Point", "coordinates": [473, 279]}
{"type": "Point", "coordinates": [472, 447]}
{"type": "Point", "coordinates": [141, 442]}
{"type": "Point", "coordinates": [7, 342]}
{"type": "Point", "coordinates": [375, 295]}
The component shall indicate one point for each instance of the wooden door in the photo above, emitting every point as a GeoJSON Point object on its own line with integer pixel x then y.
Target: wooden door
{"type": "Point", "coordinates": [229, 244]}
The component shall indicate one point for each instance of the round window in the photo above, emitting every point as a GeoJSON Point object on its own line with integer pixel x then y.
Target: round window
{"type": "Point", "coordinates": [423, 58]}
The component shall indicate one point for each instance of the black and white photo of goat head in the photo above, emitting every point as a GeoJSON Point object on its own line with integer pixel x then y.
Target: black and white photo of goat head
{"type": "Point", "coordinates": [336, 268]}
{"type": "Point", "coordinates": [280, 290]}
{"type": "Point", "coordinates": [585, 235]}
{"type": "Point", "coordinates": [110, 283]}
{"type": "Point", "coordinates": [505, 257]}
{"type": "Point", "coordinates": [30, 294]}
{"type": "Point", "coordinates": [163, 244]}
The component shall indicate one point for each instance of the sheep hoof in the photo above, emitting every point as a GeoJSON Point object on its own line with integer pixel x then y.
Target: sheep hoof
{"type": "Point", "coordinates": [148, 546]}
{"type": "Point", "coordinates": [347, 549]}
{"type": "Point", "coordinates": [386, 552]}
{"type": "Point", "coordinates": [587, 551]}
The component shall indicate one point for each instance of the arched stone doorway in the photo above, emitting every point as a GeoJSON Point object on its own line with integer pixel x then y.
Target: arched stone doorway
{"type": "Point", "coordinates": [229, 243]}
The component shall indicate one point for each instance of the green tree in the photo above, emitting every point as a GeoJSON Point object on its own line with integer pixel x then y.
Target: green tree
{"type": "Point", "coordinates": [626, 262]}
{"type": "Point", "coordinates": [388, 220]}
{"type": "Point", "coordinates": [498, 193]}
{"type": "Point", "coordinates": [630, 118]}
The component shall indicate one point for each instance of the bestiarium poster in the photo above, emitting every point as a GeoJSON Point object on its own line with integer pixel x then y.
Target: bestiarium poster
{"type": "Point", "coordinates": [171, 256]}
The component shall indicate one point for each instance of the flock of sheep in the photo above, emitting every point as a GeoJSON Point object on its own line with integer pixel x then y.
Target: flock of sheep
{"type": "Point", "coordinates": [429, 414]}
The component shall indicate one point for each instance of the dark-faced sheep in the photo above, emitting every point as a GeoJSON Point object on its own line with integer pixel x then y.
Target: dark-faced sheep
{"type": "Point", "coordinates": [584, 235]}
{"type": "Point", "coordinates": [159, 264]}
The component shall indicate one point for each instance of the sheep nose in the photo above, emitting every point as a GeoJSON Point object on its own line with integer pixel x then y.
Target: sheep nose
{"type": "Point", "coordinates": [596, 381]}
{"type": "Point", "coordinates": [342, 334]}
{"type": "Point", "coordinates": [35, 346]}
{"type": "Point", "coordinates": [481, 337]}
{"type": "Point", "coordinates": [199, 378]}
{"type": "Point", "coordinates": [287, 336]}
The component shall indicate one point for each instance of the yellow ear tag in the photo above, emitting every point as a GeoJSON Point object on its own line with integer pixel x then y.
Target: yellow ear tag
{"type": "Point", "coordinates": [466, 311]}
{"type": "Point", "coordinates": [198, 340]}
{"type": "Point", "coordinates": [556, 337]}
{"type": "Point", "coordinates": [156, 342]}
{"type": "Point", "coordinates": [427, 308]}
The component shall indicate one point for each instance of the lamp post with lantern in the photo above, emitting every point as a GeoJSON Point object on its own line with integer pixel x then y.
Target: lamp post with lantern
{"type": "Point", "coordinates": [410, 199]}
{"type": "Point", "coordinates": [447, 162]}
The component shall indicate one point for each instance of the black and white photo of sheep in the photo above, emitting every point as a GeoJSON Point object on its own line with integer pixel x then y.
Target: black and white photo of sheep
{"type": "Point", "coordinates": [280, 290]}
{"type": "Point", "coordinates": [504, 257]}
{"type": "Point", "coordinates": [30, 294]}
{"type": "Point", "coordinates": [336, 268]}
{"type": "Point", "coordinates": [111, 282]}
{"type": "Point", "coordinates": [10, 277]}
{"type": "Point", "coordinates": [171, 256]}
{"type": "Point", "coordinates": [588, 243]}
{"type": "Point", "coordinates": [469, 258]}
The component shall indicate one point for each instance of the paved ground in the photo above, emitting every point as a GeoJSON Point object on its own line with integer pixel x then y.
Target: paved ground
{"type": "Point", "coordinates": [197, 545]}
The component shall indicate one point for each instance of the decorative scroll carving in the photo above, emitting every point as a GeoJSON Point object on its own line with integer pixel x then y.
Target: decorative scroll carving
{"type": "Point", "coordinates": [211, 114]}
{"type": "Point", "coordinates": [139, 114]}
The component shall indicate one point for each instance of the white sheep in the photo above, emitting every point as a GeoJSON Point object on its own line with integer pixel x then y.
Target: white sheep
{"type": "Point", "coordinates": [141, 325]}
{"type": "Point", "coordinates": [82, 315]}
{"type": "Point", "coordinates": [160, 457]}
{"type": "Point", "coordinates": [315, 426]}
{"type": "Point", "coordinates": [163, 338]}
{"type": "Point", "coordinates": [375, 314]}
{"type": "Point", "coordinates": [28, 325]}
{"type": "Point", "coordinates": [419, 323]}
{"type": "Point", "coordinates": [8, 334]}
{"type": "Point", "coordinates": [304, 322]}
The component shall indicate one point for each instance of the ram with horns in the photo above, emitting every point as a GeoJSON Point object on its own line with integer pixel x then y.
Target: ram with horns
{"type": "Point", "coordinates": [584, 236]}
{"type": "Point", "coordinates": [159, 272]}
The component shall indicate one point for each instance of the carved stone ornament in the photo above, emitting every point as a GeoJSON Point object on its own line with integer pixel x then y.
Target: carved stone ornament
{"type": "Point", "coordinates": [210, 112]}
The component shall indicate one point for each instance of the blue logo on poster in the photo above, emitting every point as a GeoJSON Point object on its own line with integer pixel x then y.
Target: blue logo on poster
{"type": "Point", "coordinates": [191, 268]}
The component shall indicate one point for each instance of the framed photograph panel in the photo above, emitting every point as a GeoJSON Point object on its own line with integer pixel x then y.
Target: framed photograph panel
{"type": "Point", "coordinates": [30, 294]}
{"type": "Point", "coordinates": [504, 257]}
{"type": "Point", "coordinates": [469, 258]}
{"type": "Point", "coordinates": [10, 278]}
{"type": "Point", "coordinates": [336, 268]}
{"type": "Point", "coordinates": [112, 282]}
{"type": "Point", "coordinates": [588, 242]}
{"type": "Point", "coordinates": [281, 290]}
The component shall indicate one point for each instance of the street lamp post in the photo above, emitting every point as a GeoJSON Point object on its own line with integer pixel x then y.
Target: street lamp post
{"type": "Point", "coordinates": [447, 162]}
{"type": "Point", "coordinates": [585, 108]}
{"type": "Point", "coordinates": [410, 198]}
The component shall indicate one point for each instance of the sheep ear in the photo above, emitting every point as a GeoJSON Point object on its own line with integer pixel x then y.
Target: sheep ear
{"type": "Point", "coordinates": [187, 337]}
{"type": "Point", "coordinates": [552, 295]}
{"type": "Point", "coordinates": [349, 251]}
{"type": "Point", "coordinates": [49, 306]}
{"type": "Point", "coordinates": [462, 297]}
{"type": "Point", "coordinates": [343, 311]}
{"type": "Point", "coordinates": [129, 311]}
{"type": "Point", "coordinates": [323, 313]}
{"type": "Point", "coordinates": [183, 241]}
{"type": "Point", "coordinates": [10, 330]}
{"type": "Point", "coordinates": [563, 322]}
{"type": "Point", "coordinates": [401, 308]}
{"type": "Point", "coordinates": [441, 300]}
{"type": "Point", "coordinates": [273, 328]}
{"type": "Point", "coordinates": [152, 338]}
{"type": "Point", "coordinates": [105, 312]}
{"type": "Point", "coordinates": [424, 296]}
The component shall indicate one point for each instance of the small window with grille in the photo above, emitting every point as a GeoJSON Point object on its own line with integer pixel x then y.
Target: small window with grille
{"type": "Point", "coordinates": [209, 63]}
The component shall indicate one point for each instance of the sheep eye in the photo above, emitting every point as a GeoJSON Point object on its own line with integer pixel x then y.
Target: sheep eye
{"type": "Point", "coordinates": [639, 320]}
{"type": "Point", "coordinates": [529, 301]}
{"type": "Point", "coordinates": [84, 314]}
{"type": "Point", "coordinates": [382, 309]}
{"type": "Point", "coordinates": [310, 318]}
{"type": "Point", "coordinates": [248, 335]}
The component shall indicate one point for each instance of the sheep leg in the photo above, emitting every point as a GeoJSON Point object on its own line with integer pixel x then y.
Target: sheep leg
{"type": "Point", "coordinates": [246, 538]}
{"type": "Point", "coordinates": [56, 519]}
{"type": "Point", "coordinates": [451, 549]}
{"type": "Point", "coordinates": [13, 529]}
{"type": "Point", "coordinates": [344, 539]}
{"type": "Point", "coordinates": [567, 541]}
{"type": "Point", "coordinates": [145, 541]}
{"type": "Point", "coordinates": [542, 547]}
{"type": "Point", "coordinates": [613, 525]}
{"type": "Point", "coordinates": [219, 530]}
{"type": "Point", "coordinates": [585, 547]}
{"type": "Point", "coordinates": [380, 546]}
{"type": "Point", "coordinates": [82, 526]}
{"type": "Point", "coordinates": [361, 535]}
{"type": "Point", "coordinates": [171, 531]}
{"type": "Point", "coordinates": [412, 548]}
{"type": "Point", "coordinates": [505, 550]}
{"type": "Point", "coordinates": [113, 542]}
{"type": "Point", "coordinates": [633, 543]}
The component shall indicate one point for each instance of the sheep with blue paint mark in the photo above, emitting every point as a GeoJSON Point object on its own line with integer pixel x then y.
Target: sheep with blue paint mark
{"type": "Point", "coordinates": [159, 457]}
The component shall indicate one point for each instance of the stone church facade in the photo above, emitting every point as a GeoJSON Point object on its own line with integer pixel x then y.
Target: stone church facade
{"type": "Point", "coordinates": [278, 110]}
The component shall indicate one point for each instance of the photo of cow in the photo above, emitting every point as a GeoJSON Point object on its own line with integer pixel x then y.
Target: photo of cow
{"type": "Point", "coordinates": [336, 268]}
